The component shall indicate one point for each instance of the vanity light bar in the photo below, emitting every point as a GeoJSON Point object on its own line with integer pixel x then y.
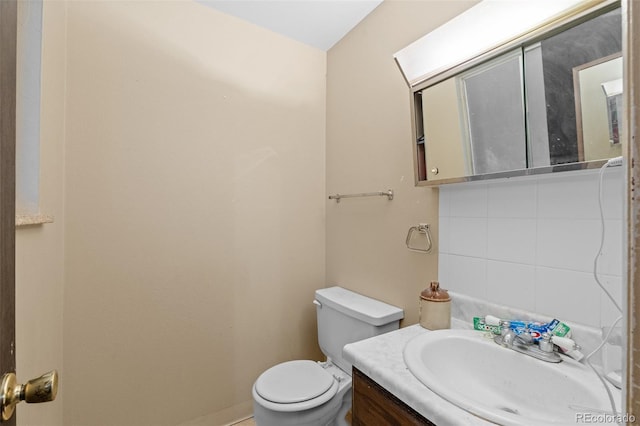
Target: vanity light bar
{"type": "Point", "coordinates": [481, 28]}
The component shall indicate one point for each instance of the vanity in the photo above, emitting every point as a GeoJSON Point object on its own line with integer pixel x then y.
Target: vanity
{"type": "Point", "coordinates": [475, 381]}
{"type": "Point", "coordinates": [374, 405]}
{"type": "Point", "coordinates": [383, 386]}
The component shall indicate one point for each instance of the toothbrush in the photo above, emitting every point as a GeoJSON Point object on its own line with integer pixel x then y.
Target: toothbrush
{"type": "Point", "coordinates": [491, 320]}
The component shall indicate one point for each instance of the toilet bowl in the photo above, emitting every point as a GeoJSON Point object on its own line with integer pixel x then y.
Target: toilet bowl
{"type": "Point", "coordinates": [302, 393]}
{"type": "Point", "coordinates": [309, 393]}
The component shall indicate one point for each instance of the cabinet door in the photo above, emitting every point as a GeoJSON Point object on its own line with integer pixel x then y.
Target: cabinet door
{"type": "Point", "coordinates": [375, 406]}
{"type": "Point", "coordinates": [444, 139]}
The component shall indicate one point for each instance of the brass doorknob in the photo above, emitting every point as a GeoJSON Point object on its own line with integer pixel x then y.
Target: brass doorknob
{"type": "Point", "coordinates": [41, 389]}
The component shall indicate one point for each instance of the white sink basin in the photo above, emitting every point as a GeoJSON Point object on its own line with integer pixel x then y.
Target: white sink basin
{"type": "Point", "coordinates": [500, 385]}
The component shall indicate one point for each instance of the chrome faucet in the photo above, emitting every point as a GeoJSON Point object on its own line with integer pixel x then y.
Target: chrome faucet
{"type": "Point", "coordinates": [525, 344]}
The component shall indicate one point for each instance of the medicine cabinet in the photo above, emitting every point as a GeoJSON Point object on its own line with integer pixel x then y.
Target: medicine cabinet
{"type": "Point", "coordinates": [548, 102]}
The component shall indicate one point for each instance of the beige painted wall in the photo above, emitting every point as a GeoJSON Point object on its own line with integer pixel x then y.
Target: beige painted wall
{"type": "Point", "coordinates": [194, 211]}
{"type": "Point", "coordinates": [369, 149]}
{"type": "Point", "coordinates": [40, 249]}
{"type": "Point", "coordinates": [169, 312]}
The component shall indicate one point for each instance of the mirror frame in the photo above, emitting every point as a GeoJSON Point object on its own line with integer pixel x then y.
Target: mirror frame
{"type": "Point", "coordinates": [551, 27]}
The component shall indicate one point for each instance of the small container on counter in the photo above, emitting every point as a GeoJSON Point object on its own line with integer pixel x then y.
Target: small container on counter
{"type": "Point", "coordinates": [435, 307]}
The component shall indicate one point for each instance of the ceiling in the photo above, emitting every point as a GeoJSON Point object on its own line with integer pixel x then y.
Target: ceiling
{"type": "Point", "coordinates": [318, 23]}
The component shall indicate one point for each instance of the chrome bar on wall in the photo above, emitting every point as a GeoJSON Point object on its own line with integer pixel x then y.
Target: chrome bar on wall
{"type": "Point", "coordinates": [422, 228]}
{"type": "Point", "coordinates": [388, 194]}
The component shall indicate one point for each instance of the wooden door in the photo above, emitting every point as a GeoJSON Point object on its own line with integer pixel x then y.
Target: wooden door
{"type": "Point", "coordinates": [8, 35]}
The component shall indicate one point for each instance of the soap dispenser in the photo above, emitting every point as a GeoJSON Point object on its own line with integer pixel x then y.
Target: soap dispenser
{"type": "Point", "coordinates": [435, 307]}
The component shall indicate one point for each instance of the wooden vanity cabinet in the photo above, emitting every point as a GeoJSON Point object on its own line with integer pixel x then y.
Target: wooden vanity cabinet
{"type": "Point", "coordinates": [375, 406]}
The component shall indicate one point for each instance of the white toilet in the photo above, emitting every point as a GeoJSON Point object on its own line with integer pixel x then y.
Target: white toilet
{"type": "Point", "coordinates": [309, 393]}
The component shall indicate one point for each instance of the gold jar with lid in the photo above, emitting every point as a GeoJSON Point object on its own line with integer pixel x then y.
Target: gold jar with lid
{"type": "Point", "coordinates": [435, 307]}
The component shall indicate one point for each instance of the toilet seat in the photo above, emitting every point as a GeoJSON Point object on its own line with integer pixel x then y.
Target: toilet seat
{"type": "Point", "coordinates": [295, 386]}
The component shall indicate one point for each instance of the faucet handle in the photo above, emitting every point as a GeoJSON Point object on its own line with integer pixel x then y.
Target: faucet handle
{"type": "Point", "coordinates": [525, 337]}
{"type": "Point", "coordinates": [568, 346]}
{"type": "Point", "coordinates": [545, 344]}
{"type": "Point", "coordinates": [564, 343]}
{"type": "Point", "coordinates": [491, 320]}
{"type": "Point", "coordinates": [506, 337]}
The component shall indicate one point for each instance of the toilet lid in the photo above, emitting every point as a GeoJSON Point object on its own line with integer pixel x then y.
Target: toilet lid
{"type": "Point", "coordinates": [293, 381]}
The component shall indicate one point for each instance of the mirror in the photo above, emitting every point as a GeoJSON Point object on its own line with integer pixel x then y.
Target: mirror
{"type": "Point", "coordinates": [550, 104]}
{"type": "Point", "coordinates": [598, 96]}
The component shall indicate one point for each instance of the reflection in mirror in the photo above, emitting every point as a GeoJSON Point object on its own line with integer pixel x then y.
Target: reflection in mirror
{"type": "Point", "coordinates": [538, 132]}
{"type": "Point", "coordinates": [613, 93]}
{"type": "Point", "coordinates": [493, 106]}
{"type": "Point", "coordinates": [598, 89]}
{"type": "Point", "coordinates": [474, 123]}
{"type": "Point", "coordinates": [554, 100]}
{"type": "Point", "coordinates": [551, 63]}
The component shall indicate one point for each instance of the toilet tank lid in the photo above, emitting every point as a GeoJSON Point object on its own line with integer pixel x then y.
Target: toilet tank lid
{"type": "Point", "coordinates": [361, 307]}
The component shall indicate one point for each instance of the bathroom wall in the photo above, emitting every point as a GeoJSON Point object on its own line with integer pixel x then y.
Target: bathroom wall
{"type": "Point", "coordinates": [369, 148]}
{"type": "Point", "coordinates": [40, 249]}
{"type": "Point", "coordinates": [527, 243]}
{"type": "Point", "coordinates": [530, 243]}
{"type": "Point", "coordinates": [170, 313]}
{"type": "Point", "coordinates": [195, 211]}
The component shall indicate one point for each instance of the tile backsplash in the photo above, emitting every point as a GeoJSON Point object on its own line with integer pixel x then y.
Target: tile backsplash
{"type": "Point", "coordinates": [530, 243]}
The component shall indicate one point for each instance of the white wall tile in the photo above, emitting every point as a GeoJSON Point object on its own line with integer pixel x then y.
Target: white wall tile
{"type": "Point", "coordinates": [467, 275]}
{"type": "Point", "coordinates": [468, 236]}
{"type": "Point", "coordinates": [530, 243]}
{"type": "Point", "coordinates": [613, 193]}
{"type": "Point", "coordinates": [444, 270]}
{"type": "Point", "coordinates": [511, 240]}
{"type": "Point", "coordinates": [444, 234]}
{"type": "Point", "coordinates": [468, 200]}
{"type": "Point", "coordinates": [567, 295]}
{"type": "Point", "coordinates": [511, 284]}
{"type": "Point", "coordinates": [512, 199]}
{"type": "Point", "coordinates": [611, 259]}
{"type": "Point", "coordinates": [569, 197]}
{"type": "Point", "coordinates": [608, 311]}
{"type": "Point", "coordinates": [567, 244]}
{"type": "Point", "coordinates": [443, 202]}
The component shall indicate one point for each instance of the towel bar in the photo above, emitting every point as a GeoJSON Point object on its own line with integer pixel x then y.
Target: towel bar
{"type": "Point", "coordinates": [388, 194]}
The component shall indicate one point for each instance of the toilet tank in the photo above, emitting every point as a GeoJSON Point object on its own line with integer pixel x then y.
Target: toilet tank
{"type": "Point", "coordinates": [345, 317]}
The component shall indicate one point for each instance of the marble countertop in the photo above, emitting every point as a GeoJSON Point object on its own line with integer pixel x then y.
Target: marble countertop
{"type": "Point", "coordinates": [381, 359]}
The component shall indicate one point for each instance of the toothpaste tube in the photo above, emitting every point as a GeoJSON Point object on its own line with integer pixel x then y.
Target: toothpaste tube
{"type": "Point", "coordinates": [559, 329]}
{"type": "Point", "coordinates": [479, 324]}
{"type": "Point", "coordinates": [535, 329]}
